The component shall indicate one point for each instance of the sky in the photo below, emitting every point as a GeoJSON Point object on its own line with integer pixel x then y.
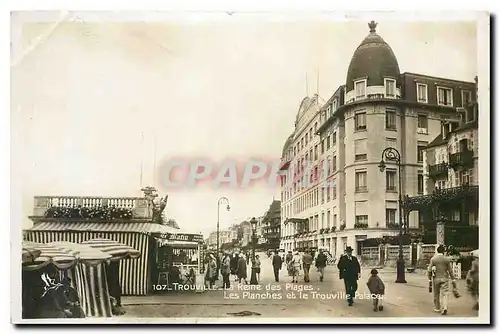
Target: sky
{"type": "Point", "coordinates": [97, 98]}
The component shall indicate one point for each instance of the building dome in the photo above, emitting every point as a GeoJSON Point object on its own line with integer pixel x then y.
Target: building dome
{"type": "Point", "coordinates": [287, 145]}
{"type": "Point", "coordinates": [373, 60]}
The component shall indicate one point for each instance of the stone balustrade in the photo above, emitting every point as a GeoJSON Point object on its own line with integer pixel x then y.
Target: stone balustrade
{"type": "Point", "coordinates": [138, 205]}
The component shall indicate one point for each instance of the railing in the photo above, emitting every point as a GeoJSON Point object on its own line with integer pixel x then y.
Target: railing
{"type": "Point", "coordinates": [378, 96]}
{"type": "Point", "coordinates": [441, 195]}
{"type": "Point", "coordinates": [461, 159]}
{"type": "Point", "coordinates": [138, 205]}
{"type": "Point", "coordinates": [438, 170]}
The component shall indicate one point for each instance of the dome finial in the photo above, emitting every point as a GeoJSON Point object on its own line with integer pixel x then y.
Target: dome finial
{"type": "Point", "coordinates": [372, 25]}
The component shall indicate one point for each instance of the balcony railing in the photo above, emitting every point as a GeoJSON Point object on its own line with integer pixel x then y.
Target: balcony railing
{"type": "Point", "coordinates": [461, 159]}
{"type": "Point", "coordinates": [138, 205]}
{"type": "Point", "coordinates": [440, 196]}
{"type": "Point", "coordinates": [438, 170]}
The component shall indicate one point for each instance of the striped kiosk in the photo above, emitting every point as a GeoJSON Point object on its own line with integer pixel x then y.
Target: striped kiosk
{"type": "Point", "coordinates": [88, 277]}
{"type": "Point", "coordinates": [135, 274]}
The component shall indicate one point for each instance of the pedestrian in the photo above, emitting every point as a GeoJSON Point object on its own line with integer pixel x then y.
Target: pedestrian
{"type": "Point", "coordinates": [242, 269]}
{"type": "Point", "coordinates": [288, 260]}
{"type": "Point", "coordinates": [234, 265]}
{"type": "Point", "coordinates": [472, 280]}
{"type": "Point", "coordinates": [277, 264]}
{"type": "Point", "coordinates": [226, 270]}
{"type": "Point", "coordinates": [256, 266]}
{"type": "Point", "coordinates": [211, 274]}
{"type": "Point", "coordinates": [439, 273]}
{"type": "Point", "coordinates": [377, 290]}
{"type": "Point", "coordinates": [320, 263]}
{"type": "Point", "coordinates": [350, 270]}
{"type": "Point", "coordinates": [248, 258]}
{"type": "Point", "coordinates": [307, 260]}
{"type": "Point", "coordinates": [296, 265]}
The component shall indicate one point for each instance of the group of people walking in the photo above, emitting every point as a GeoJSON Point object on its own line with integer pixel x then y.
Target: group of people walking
{"type": "Point", "coordinates": [439, 271]}
{"type": "Point", "coordinates": [235, 265]}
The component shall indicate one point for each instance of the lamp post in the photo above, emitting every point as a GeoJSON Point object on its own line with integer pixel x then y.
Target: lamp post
{"type": "Point", "coordinates": [222, 200]}
{"type": "Point", "coordinates": [392, 154]}
{"type": "Point", "coordinates": [253, 277]}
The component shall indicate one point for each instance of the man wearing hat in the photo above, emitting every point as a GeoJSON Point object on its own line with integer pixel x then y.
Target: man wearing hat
{"type": "Point", "coordinates": [349, 270]}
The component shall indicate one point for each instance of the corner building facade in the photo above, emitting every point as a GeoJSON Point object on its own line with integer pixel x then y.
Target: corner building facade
{"type": "Point", "coordinates": [378, 107]}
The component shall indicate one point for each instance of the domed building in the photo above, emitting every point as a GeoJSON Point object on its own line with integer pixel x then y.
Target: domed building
{"type": "Point", "coordinates": [350, 200]}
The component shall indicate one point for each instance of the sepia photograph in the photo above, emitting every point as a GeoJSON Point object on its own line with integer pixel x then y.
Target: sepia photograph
{"type": "Point", "coordinates": [242, 167]}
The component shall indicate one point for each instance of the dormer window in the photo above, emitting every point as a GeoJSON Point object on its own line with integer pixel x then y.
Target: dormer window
{"type": "Point", "coordinates": [329, 111]}
{"type": "Point", "coordinates": [421, 93]}
{"type": "Point", "coordinates": [335, 105]}
{"type": "Point", "coordinates": [390, 88]}
{"type": "Point", "coordinates": [445, 96]}
{"type": "Point", "coordinates": [466, 98]}
{"type": "Point", "coordinates": [360, 89]}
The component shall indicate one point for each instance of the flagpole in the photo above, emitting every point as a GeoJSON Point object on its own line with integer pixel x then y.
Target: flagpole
{"type": "Point", "coordinates": [142, 157]}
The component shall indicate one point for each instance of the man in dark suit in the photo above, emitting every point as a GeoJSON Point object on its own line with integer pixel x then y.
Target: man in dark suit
{"type": "Point", "coordinates": [349, 270]}
{"type": "Point", "coordinates": [277, 263]}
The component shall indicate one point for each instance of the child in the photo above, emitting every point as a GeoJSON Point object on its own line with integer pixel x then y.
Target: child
{"type": "Point", "coordinates": [377, 289]}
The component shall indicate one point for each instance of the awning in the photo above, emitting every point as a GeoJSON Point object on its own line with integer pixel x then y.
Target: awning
{"type": "Point", "coordinates": [86, 254]}
{"type": "Point", "coordinates": [114, 248]}
{"type": "Point", "coordinates": [158, 230]}
{"type": "Point", "coordinates": [62, 259]}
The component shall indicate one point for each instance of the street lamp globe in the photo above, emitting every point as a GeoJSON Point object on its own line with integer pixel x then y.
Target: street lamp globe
{"type": "Point", "coordinates": [253, 221]}
{"type": "Point", "coordinates": [381, 165]}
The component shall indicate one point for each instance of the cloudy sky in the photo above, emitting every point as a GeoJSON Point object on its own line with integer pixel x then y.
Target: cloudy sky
{"type": "Point", "coordinates": [86, 90]}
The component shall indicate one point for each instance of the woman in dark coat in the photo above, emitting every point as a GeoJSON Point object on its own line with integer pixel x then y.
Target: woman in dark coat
{"type": "Point", "coordinates": [233, 264]}
{"type": "Point", "coordinates": [242, 269]}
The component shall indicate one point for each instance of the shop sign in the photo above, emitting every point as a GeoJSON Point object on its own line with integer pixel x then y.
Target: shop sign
{"type": "Point", "coordinates": [179, 237]}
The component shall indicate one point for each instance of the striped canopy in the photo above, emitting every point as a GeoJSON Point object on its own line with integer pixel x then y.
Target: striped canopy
{"type": "Point", "coordinates": [49, 254]}
{"type": "Point", "coordinates": [84, 253]}
{"type": "Point", "coordinates": [30, 253]}
{"type": "Point", "coordinates": [116, 249]}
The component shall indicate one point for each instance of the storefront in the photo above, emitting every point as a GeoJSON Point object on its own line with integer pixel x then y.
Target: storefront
{"type": "Point", "coordinates": [178, 259]}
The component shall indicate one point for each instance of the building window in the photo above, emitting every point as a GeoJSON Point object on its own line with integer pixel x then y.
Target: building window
{"type": "Point", "coordinates": [322, 195]}
{"type": "Point", "coordinates": [328, 219]}
{"type": "Point", "coordinates": [362, 220]}
{"type": "Point", "coordinates": [466, 98]}
{"type": "Point", "coordinates": [329, 111]}
{"type": "Point", "coordinates": [441, 184]}
{"type": "Point", "coordinates": [334, 166]}
{"type": "Point", "coordinates": [390, 217]}
{"type": "Point", "coordinates": [390, 87]}
{"type": "Point", "coordinates": [421, 93]}
{"type": "Point", "coordinates": [390, 180]}
{"type": "Point", "coordinates": [445, 96]}
{"type": "Point", "coordinates": [327, 143]}
{"type": "Point", "coordinates": [315, 127]}
{"type": "Point", "coordinates": [334, 139]}
{"type": "Point", "coordinates": [422, 124]}
{"type": "Point", "coordinates": [315, 152]}
{"type": "Point", "coordinates": [420, 182]}
{"type": "Point", "coordinates": [360, 152]}
{"type": "Point", "coordinates": [335, 104]}
{"type": "Point", "coordinates": [390, 120]}
{"type": "Point", "coordinates": [360, 88]}
{"type": "Point", "coordinates": [420, 153]}
{"type": "Point", "coordinates": [334, 220]}
{"type": "Point", "coordinates": [322, 146]}
{"type": "Point", "coordinates": [327, 194]}
{"type": "Point", "coordinates": [465, 177]}
{"type": "Point", "coordinates": [334, 192]}
{"type": "Point", "coordinates": [360, 121]}
{"type": "Point", "coordinates": [361, 181]}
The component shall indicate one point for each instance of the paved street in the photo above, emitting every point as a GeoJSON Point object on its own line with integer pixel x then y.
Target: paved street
{"type": "Point", "coordinates": [315, 299]}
